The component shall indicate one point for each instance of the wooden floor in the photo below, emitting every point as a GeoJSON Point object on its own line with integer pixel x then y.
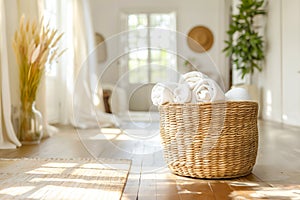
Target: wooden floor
{"type": "Point", "coordinates": [276, 174]}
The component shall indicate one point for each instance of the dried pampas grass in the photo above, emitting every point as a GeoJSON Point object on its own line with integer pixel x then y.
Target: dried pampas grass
{"type": "Point", "coordinates": [35, 47]}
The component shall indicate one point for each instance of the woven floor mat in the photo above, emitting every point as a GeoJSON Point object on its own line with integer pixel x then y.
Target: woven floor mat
{"type": "Point", "coordinates": [62, 178]}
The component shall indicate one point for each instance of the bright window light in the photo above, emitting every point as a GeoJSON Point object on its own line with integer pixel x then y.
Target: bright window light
{"type": "Point", "coordinates": [148, 65]}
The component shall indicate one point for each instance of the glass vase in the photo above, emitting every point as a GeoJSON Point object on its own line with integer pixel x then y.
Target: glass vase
{"type": "Point", "coordinates": [30, 124]}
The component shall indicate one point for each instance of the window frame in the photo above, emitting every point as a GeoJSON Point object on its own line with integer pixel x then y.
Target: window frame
{"type": "Point", "coordinates": [125, 27]}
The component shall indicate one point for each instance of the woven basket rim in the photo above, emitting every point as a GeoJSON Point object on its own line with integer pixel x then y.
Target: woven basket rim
{"type": "Point", "coordinates": [209, 103]}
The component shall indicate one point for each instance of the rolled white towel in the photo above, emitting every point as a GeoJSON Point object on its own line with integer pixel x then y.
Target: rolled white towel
{"type": "Point", "coordinates": [192, 78]}
{"type": "Point", "coordinates": [182, 94]}
{"type": "Point", "coordinates": [163, 93]}
{"type": "Point", "coordinates": [207, 90]}
{"type": "Point", "coordinates": [169, 92]}
{"type": "Point", "coordinates": [237, 94]}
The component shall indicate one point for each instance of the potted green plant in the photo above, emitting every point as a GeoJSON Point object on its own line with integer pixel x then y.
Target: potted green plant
{"type": "Point", "coordinates": [245, 46]}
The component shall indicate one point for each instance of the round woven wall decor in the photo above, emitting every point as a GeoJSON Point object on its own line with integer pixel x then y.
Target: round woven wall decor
{"type": "Point", "coordinates": [200, 39]}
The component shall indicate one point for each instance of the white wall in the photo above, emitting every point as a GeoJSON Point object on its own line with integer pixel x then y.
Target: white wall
{"type": "Point", "coordinates": [106, 19]}
{"type": "Point", "coordinates": [280, 76]}
{"type": "Point", "coordinates": [271, 74]}
{"type": "Point", "coordinates": [290, 62]}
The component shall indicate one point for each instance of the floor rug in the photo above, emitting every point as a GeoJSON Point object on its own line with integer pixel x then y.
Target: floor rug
{"type": "Point", "coordinates": [39, 178]}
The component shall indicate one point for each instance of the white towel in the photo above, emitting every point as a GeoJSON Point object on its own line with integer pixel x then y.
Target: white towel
{"type": "Point", "coordinates": [163, 93]}
{"type": "Point", "coordinates": [192, 78]}
{"type": "Point", "coordinates": [237, 94]}
{"type": "Point", "coordinates": [182, 94]}
{"type": "Point", "coordinates": [170, 92]}
{"type": "Point", "coordinates": [207, 90]}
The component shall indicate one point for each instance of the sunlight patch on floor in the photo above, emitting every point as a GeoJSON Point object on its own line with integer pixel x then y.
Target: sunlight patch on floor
{"type": "Point", "coordinates": [60, 165]}
{"type": "Point", "coordinates": [61, 192]}
{"type": "Point", "coordinates": [44, 170]}
{"type": "Point", "coordinates": [287, 193]}
{"type": "Point", "coordinates": [16, 191]}
{"type": "Point", "coordinates": [185, 191]}
{"type": "Point", "coordinates": [246, 184]}
{"type": "Point", "coordinates": [69, 180]}
{"type": "Point", "coordinates": [110, 131]}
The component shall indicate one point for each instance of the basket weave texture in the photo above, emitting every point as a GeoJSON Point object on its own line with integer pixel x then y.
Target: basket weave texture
{"type": "Point", "coordinates": [210, 140]}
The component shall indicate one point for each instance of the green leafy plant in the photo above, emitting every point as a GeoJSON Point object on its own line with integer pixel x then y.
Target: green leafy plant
{"type": "Point", "coordinates": [245, 46]}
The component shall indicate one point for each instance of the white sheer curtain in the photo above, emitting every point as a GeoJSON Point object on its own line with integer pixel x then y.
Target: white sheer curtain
{"type": "Point", "coordinates": [76, 80]}
{"type": "Point", "coordinates": [60, 78]}
{"type": "Point", "coordinates": [74, 20]}
{"type": "Point", "coordinates": [8, 138]}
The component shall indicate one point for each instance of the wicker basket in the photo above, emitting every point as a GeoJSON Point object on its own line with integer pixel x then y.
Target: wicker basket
{"type": "Point", "coordinates": [210, 140]}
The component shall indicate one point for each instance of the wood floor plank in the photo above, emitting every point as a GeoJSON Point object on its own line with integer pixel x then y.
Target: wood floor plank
{"type": "Point", "coordinates": [147, 189]}
{"type": "Point", "coordinates": [190, 188]}
{"type": "Point", "coordinates": [166, 185]}
{"type": "Point", "coordinates": [221, 190]}
{"type": "Point", "coordinates": [195, 191]}
{"type": "Point", "coordinates": [132, 186]}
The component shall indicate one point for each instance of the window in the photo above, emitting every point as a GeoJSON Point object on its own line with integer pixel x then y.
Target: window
{"type": "Point", "coordinates": [149, 56]}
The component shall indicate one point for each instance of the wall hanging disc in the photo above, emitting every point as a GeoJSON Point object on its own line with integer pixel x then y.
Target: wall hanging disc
{"type": "Point", "coordinates": [200, 39]}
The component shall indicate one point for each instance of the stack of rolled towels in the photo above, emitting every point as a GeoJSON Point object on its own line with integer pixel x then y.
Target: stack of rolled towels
{"type": "Point", "coordinates": [194, 87]}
